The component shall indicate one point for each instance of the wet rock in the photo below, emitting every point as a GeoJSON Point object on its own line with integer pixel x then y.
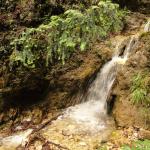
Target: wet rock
{"type": "Point", "coordinates": [144, 134]}
{"type": "Point", "coordinates": [125, 112]}
{"type": "Point", "coordinates": [133, 21]}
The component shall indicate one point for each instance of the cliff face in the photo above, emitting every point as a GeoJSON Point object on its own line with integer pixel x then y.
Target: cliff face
{"type": "Point", "coordinates": [127, 111]}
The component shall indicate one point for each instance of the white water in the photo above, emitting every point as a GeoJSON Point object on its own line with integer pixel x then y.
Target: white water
{"type": "Point", "coordinates": [94, 111]}
{"type": "Point", "coordinates": [12, 142]}
{"type": "Point", "coordinates": [147, 27]}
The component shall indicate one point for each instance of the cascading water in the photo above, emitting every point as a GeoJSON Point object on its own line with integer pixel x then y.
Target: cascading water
{"type": "Point", "coordinates": [94, 111]}
{"type": "Point", "coordinates": [88, 116]}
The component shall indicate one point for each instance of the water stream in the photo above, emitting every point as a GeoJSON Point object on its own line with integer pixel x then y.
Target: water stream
{"type": "Point", "coordinates": [91, 115]}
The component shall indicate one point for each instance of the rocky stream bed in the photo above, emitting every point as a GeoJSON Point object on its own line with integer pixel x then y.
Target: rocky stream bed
{"type": "Point", "coordinates": [32, 103]}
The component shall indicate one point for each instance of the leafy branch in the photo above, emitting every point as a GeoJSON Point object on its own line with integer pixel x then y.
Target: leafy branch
{"type": "Point", "coordinates": [74, 30]}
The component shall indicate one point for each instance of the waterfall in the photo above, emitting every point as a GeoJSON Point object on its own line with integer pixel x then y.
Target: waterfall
{"type": "Point", "coordinates": [94, 111]}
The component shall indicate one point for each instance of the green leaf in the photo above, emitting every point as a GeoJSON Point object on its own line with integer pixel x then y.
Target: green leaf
{"type": "Point", "coordinates": [83, 46]}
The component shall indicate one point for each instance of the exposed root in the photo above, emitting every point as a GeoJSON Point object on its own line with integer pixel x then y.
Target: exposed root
{"type": "Point", "coordinates": [48, 145]}
{"type": "Point", "coordinates": [36, 136]}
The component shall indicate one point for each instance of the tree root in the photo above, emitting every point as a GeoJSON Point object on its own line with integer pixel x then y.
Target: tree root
{"type": "Point", "coordinates": [36, 136]}
{"type": "Point", "coordinates": [48, 144]}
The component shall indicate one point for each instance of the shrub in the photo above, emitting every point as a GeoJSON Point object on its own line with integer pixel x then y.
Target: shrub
{"type": "Point", "coordinates": [138, 145]}
{"type": "Point", "coordinates": [64, 34]}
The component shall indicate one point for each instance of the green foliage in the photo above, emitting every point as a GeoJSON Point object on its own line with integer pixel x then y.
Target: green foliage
{"type": "Point", "coordinates": [104, 147]}
{"type": "Point", "coordinates": [140, 89]}
{"type": "Point", "coordinates": [138, 145]}
{"type": "Point", "coordinates": [74, 30]}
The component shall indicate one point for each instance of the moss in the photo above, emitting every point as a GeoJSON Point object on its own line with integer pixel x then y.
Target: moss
{"type": "Point", "coordinates": [145, 36]}
{"type": "Point", "coordinates": [138, 145]}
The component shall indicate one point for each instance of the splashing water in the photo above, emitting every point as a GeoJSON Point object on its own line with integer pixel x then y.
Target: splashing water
{"type": "Point", "coordinates": [12, 142]}
{"type": "Point", "coordinates": [147, 27]}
